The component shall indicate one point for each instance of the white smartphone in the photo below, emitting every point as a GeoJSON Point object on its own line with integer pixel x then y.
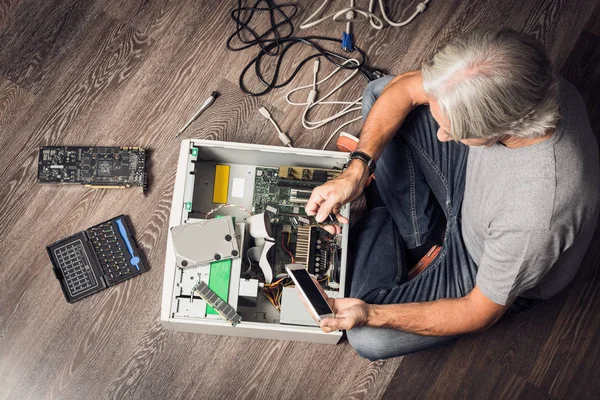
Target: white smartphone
{"type": "Point", "coordinates": [308, 289]}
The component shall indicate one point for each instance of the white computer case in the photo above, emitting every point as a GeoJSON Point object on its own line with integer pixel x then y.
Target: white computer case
{"type": "Point", "coordinates": [243, 154]}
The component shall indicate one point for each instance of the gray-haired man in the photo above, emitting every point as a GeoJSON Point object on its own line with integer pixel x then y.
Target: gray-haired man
{"type": "Point", "coordinates": [486, 140]}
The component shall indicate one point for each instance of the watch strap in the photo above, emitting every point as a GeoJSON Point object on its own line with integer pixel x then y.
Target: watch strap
{"type": "Point", "coordinates": [364, 157]}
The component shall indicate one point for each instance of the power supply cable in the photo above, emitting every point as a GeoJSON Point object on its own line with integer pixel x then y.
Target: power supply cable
{"type": "Point", "coordinates": [243, 25]}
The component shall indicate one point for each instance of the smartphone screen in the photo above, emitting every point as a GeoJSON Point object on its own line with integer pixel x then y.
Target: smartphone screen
{"type": "Point", "coordinates": [309, 288]}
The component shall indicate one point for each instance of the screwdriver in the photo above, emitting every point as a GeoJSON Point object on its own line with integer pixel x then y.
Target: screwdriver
{"type": "Point", "coordinates": [203, 107]}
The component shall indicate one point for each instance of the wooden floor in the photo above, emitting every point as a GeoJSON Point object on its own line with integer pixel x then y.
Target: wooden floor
{"type": "Point", "coordinates": [130, 72]}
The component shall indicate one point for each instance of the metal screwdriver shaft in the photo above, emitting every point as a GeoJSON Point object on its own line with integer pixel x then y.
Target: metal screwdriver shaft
{"type": "Point", "coordinates": [203, 107]}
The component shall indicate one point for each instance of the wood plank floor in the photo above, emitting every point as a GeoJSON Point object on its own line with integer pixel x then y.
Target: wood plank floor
{"type": "Point", "coordinates": [130, 72]}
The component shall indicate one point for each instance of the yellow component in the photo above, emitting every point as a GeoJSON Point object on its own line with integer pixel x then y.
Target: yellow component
{"type": "Point", "coordinates": [221, 186]}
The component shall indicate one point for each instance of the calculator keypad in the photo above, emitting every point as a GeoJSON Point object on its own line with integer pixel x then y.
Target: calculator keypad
{"type": "Point", "coordinates": [76, 268]}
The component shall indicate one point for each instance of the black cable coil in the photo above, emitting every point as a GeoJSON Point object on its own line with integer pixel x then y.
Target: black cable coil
{"type": "Point", "coordinates": [275, 42]}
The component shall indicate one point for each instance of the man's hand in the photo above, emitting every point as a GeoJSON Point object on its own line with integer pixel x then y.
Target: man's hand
{"type": "Point", "coordinates": [348, 314]}
{"type": "Point", "coordinates": [331, 196]}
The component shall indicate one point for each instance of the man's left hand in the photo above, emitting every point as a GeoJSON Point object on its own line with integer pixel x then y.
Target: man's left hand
{"type": "Point", "coordinates": [348, 314]}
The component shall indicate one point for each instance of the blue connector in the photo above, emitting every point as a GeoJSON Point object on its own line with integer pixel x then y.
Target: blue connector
{"type": "Point", "coordinates": [347, 42]}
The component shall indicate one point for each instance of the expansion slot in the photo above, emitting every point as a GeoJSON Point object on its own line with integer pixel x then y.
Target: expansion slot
{"type": "Point", "coordinates": [317, 175]}
{"type": "Point", "coordinates": [300, 196]}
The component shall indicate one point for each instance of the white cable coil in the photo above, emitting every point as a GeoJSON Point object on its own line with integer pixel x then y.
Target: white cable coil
{"type": "Point", "coordinates": [350, 12]}
{"type": "Point", "coordinates": [312, 102]}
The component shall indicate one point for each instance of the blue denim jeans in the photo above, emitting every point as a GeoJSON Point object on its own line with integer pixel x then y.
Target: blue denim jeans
{"type": "Point", "coordinates": [418, 178]}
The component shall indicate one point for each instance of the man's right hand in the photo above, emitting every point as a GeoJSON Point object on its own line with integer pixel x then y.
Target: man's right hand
{"type": "Point", "coordinates": [331, 196]}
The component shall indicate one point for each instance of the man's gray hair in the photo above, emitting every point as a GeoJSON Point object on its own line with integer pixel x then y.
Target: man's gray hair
{"type": "Point", "coordinates": [494, 82]}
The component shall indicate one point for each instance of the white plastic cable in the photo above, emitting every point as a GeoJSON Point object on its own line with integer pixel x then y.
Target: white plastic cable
{"type": "Point", "coordinates": [312, 101]}
{"type": "Point", "coordinates": [281, 135]}
{"type": "Point", "coordinates": [373, 19]}
{"type": "Point", "coordinates": [349, 14]}
{"type": "Point", "coordinates": [339, 128]}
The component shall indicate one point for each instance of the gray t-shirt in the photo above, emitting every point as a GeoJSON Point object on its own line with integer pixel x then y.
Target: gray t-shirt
{"type": "Point", "coordinates": [529, 213]}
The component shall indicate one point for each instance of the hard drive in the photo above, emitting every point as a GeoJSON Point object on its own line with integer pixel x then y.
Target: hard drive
{"type": "Point", "coordinates": [205, 241]}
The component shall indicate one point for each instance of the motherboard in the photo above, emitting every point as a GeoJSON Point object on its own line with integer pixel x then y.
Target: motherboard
{"type": "Point", "coordinates": [282, 193]}
{"type": "Point", "coordinates": [96, 167]}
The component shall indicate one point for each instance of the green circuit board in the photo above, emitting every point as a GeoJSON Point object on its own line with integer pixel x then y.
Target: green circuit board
{"type": "Point", "coordinates": [97, 167]}
{"type": "Point", "coordinates": [282, 193]}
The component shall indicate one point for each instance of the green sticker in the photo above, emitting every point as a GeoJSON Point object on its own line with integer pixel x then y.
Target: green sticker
{"type": "Point", "coordinates": [194, 152]}
{"type": "Point", "coordinates": [188, 206]}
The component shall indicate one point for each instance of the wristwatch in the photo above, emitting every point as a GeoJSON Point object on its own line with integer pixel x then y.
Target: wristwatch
{"type": "Point", "coordinates": [364, 157]}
